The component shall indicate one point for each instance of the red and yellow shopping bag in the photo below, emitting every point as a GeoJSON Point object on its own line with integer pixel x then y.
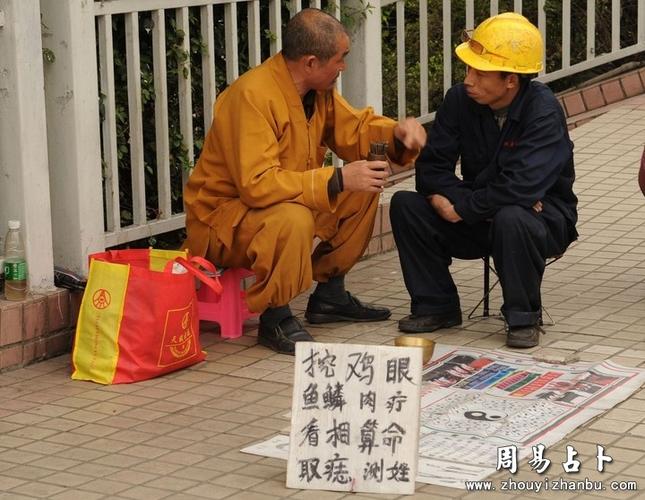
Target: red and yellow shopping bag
{"type": "Point", "coordinates": [138, 318]}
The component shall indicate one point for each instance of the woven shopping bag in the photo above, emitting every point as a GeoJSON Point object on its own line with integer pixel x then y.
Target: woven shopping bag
{"type": "Point", "coordinates": [138, 318]}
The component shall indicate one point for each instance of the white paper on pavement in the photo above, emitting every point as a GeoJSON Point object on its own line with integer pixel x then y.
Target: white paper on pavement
{"type": "Point", "coordinates": [449, 474]}
{"type": "Point", "coordinates": [355, 418]}
{"type": "Point", "coordinates": [276, 447]}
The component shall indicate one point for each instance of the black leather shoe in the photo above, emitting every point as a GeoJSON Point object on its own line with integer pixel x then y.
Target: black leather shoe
{"type": "Point", "coordinates": [429, 322]}
{"type": "Point", "coordinates": [284, 336]}
{"type": "Point", "coordinates": [525, 336]}
{"type": "Point", "coordinates": [323, 311]}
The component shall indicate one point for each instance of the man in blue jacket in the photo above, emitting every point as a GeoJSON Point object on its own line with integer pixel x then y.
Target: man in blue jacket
{"type": "Point", "coordinates": [514, 200]}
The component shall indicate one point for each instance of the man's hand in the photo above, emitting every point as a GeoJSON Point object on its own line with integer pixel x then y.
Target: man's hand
{"type": "Point", "coordinates": [410, 133]}
{"type": "Point", "coordinates": [363, 175]}
{"type": "Point", "coordinates": [538, 206]}
{"type": "Point", "coordinates": [444, 208]}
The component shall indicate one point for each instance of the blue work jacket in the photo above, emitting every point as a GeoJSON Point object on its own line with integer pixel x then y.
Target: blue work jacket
{"type": "Point", "coordinates": [530, 159]}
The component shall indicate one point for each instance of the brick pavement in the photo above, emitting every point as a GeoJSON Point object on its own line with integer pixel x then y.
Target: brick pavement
{"type": "Point", "coordinates": [178, 436]}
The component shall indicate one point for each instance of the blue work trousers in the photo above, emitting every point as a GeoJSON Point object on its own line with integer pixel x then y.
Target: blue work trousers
{"type": "Point", "coordinates": [519, 240]}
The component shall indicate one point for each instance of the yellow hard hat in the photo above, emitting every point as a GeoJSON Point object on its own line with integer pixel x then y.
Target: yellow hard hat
{"type": "Point", "coordinates": [506, 42]}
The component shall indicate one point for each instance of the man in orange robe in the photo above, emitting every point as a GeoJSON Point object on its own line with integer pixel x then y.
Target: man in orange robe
{"type": "Point", "coordinates": [258, 195]}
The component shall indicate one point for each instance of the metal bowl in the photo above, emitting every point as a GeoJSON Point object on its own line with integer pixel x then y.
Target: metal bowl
{"type": "Point", "coordinates": [426, 344]}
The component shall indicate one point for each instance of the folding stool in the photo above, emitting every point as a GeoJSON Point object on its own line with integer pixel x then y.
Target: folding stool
{"type": "Point", "coordinates": [488, 288]}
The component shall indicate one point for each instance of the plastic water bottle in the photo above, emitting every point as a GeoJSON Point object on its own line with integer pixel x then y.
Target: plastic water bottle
{"type": "Point", "coordinates": [15, 265]}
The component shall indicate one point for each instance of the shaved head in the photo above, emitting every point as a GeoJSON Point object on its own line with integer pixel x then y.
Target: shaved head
{"type": "Point", "coordinates": [312, 32]}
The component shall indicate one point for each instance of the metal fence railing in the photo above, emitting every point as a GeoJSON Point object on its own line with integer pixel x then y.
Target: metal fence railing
{"type": "Point", "coordinates": [160, 64]}
{"type": "Point", "coordinates": [546, 15]}
{"type": "Point", "coordinates": [192, 20]}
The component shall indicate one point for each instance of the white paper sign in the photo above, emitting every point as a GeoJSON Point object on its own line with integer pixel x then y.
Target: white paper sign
{"type": "Point", "coordinates": [355, 418]}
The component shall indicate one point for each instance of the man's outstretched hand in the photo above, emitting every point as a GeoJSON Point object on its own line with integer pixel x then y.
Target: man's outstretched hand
{"type": "Point", "coordinates": [410, 132]}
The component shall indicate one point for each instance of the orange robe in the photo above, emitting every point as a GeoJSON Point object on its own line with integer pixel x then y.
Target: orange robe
{"type": "Point", "coordinates": [258, 197]}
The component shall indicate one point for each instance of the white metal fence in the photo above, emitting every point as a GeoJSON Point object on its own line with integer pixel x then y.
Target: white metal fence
{"type": "Point", "coordinates": [84, 149]}
{"type": "Point", "coordinates": [155, 12]}
{"type": "Point", "coordinates": [593, 57]}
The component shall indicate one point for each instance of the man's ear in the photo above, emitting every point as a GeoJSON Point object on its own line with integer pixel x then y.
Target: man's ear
{"type": "Point", "coordinates": [512, 81]}
{"type": "Point", "coordinates": [309, 61]}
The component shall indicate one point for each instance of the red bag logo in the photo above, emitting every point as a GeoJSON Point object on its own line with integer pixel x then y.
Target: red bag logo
{"type": "Point", "coordinates": [178, 338]}
{"type": "Point", "coordinates": [101, 298]}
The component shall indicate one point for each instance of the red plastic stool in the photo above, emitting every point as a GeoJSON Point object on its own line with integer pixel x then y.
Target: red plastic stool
{"type": "Point", "coordinates": [229, 309]}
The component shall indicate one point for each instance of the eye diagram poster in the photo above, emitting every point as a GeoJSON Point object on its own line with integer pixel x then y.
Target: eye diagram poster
{"type": "Point", "coordinates": [474, 402]}
{"type": "Point", "coordinates": [355, 418]}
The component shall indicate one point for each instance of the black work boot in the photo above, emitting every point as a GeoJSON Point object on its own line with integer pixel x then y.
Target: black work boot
{"type": "Point", "coordinates": [322, 310]}
{"type": "Point", "coordinates": [523, 336]}
{"type": "Point", "coordinates": [427, 323]}
{"type": "Point", "coordinates": [282, 337]}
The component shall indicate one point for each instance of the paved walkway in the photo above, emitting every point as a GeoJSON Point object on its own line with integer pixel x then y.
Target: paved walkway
{"type": "Point", "coordinates": [178, 436]}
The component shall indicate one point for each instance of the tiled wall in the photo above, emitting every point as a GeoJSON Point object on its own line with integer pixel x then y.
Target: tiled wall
{"type": "Point", "coordinates": [37, 328]}
{"type": "Point", "coordinates": [582, 105]}
{"type": "Point", "coordinates": [382, 239]}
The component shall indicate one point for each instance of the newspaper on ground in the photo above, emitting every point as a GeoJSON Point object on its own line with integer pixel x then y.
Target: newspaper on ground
{"type": "Point", "coordinates": [476, 402]}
